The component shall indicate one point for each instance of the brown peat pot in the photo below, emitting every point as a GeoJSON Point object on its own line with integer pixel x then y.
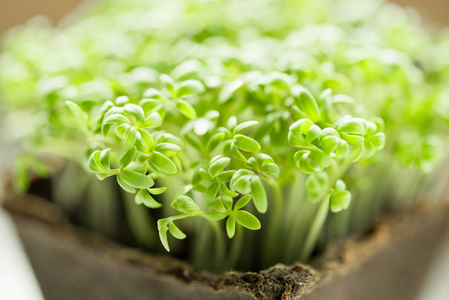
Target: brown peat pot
{"type": "Point", "coordinates": [389, 261]}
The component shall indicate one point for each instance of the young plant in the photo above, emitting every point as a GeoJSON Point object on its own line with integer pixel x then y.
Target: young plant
{"type": "Point", "coordinates": [239, 139]}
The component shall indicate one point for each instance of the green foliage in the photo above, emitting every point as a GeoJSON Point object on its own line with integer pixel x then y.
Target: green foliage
{"type": "Point", "coordinates": [298, 104]}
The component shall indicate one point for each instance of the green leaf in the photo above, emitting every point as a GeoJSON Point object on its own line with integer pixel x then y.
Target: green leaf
{"type": "Point", "coordinates": [340, 201]}
{"type": "Point", "coordinates": [217, 166]}
{"type": "Point", "coordinates": [151, 105]}
{"type": "Point", "coordinates": [105, 158]}
{"type": "Point", "coordinates": [116, 118]}
{"type": "Point", "coordinates": [124, 185]}
{"type": "Point", "coordinates": [306, 102]}
{"type": "Point", "coordinates": [103, 175]}
{"type": "Point", "coordinates": [169, 138]}
{"type": "Point", "coordinates": [340, 186]}
{"type": "Point", "coordinates": [352, 130]}
{"type": "Point", "coordinates": [271, 169]}
{"type": "Point", "coordinates": [242, 202]}
{"type": "Point", "coordinates": [227, 192]}
{"type": "Point", "coordinates": [246, 143]}
{"type": "Point", "coordinates": [230, 226]}
{"type": "Point", "coordinates": [300, 127]}
{"type": "Point", "coordinates": [122, 100]}
{"type": "Point", "coordinates": [206, 176]}
{"type": "Point", "coordinates": [157, 191]}
{"type": "Point", "coordinates": [163, 163]}
{"type": "Point", "coordinates": [161, 147]}
{"type": "Point", "coordinates": [263, 159]}
{"type": "Point", "coordinates": [298, 131]}
{"type": "Point", "coordinates": [176, 232]}
{"type": "Point", "coordinates": [231, 123]}
{"type": "Point", "coordinates": [228, 202]}
{"type": "Point", "coordinates": [239, 174]}
{"type": "Point", "coordinates": [184, 190]}
{"type": "Point", "coordinates": [251, 163]}
{"type": "Point", "coordinates": [94, 162]}
{"type": "Point", "coordinates": [211, 194]}
{"type": "Point", "coordinates": [227, 147]}
{"type": "Point", "coordinates": [305, 164]}
{"type": "Point", "coordinates": [259, 195]}
{"type": "Point", "coordinates": [229, 90]}
{"type": "Point", "coordinates": [167, 82]}
{"type": "Point", "coordinates": [218, 205]}
{"type": "Point", "coordinates": [189, 87]}
{"type": "Point", "coordinates": [186, 109]}
{"type": "Point", "coordinates": [152, 121]}
{"type": "Point", "coordinates": [352, 139]}
{"type": "Point", "coordinates": [317, 186]}
{"type": "Point", "coordinates": [105, 128]}
{"type": "Point", "coordinates": [225, 176]}
{"type": "Point", "coordinates": [147, 139]}
{"type": "Point", "coordinates": [242, 184]}
{"type": "Point", "coordinates": [131, 138]}
{"type": "Point", "coordinates": [214, 216]}
{"type": "Point", "coordinates": [163, 238]}
{"type": "Point", "coordinates": [127, 158]}
{"type": "Point", "coordinates": [236, 153]}
{"type": "Point", "coordinates": [342, 150]}
{"type": "Point", "coordinates": [239, 128]}
{"type": "Point", "coordinates": [201, 188]}
{"type": "Point", "coordinates": [78, 115]}
{"type": "Point", "coordinates": [136, 111]}
{"type": "Point", "coordinates": [136, 179]}
{"type": "Point", "coordinates": [313, 133]}
{"type": "Point", "coordinates": [378, 141]}
{"type": "Point", "coordinates": [247, 220]}
{"type": "Point", "coordinates": [333, 145]}
{"type": "Point", "coordinates": [153, 93]}
{"type": "Point", "coordinates": [215, 141]}
{"type": "Point", "coordinates": [122, 130]}
{"type": "Point", "coordinates": [184, 204]}
{"type": "Point", "coordinates": [143, 197]}
{"type": "Point", "coordinates": [356, 152]}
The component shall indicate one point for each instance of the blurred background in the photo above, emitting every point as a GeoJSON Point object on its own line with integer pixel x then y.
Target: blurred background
{"type": "Point", "coordinates": [16, 280]}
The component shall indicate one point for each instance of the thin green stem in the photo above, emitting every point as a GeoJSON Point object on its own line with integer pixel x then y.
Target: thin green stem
{"type": "Point", "coordinates": [274, 229]}
{"type": "Point", "coordinates": [220, 247]}
{"type": "Point", "coordinates": [236, 247]}
{"type": "Point", "coordinates": [315, 229]}
{"type": "Point", "coordinates": [187, 215]}
{"type": "Point", "coordinates": [139, 222]}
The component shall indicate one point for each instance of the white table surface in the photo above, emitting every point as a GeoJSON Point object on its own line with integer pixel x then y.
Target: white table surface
{"type": "Point", "coordinates": [17, 281]}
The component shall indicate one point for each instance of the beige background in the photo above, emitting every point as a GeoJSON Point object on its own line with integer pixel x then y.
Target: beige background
{"type": "Point", "coordinates": [433, 11]}
{"type": "Point", "coordinates": [13, 12]}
